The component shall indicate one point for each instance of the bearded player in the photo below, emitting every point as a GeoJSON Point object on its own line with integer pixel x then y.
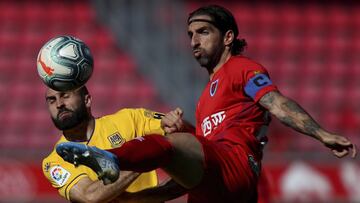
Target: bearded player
{"type": "Point", "coordinates": [71, 113]}
{"type": "Point", "coordinates": [222, 162]}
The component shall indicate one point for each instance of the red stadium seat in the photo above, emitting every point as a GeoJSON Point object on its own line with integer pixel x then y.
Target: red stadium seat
{"type": "Point", "coordinates": [115, 83]}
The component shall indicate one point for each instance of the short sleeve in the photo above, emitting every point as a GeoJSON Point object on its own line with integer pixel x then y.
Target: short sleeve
{"type": "Point", "coordinates": [63, 176]}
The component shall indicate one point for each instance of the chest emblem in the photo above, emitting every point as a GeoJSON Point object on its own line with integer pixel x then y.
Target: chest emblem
{"type": "Point", "coordinates": [116, 140]}
{"type": "Point", "coordinates": [213, 87]}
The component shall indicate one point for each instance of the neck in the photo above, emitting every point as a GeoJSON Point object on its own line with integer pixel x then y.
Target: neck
{"type": "Point", "coordinates": [81, 132]}
{"type": "Point", "coordinates": [223, 59]}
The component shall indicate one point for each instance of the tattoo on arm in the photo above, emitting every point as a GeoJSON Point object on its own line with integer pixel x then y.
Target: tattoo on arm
{"type": "Point", "coordinates": [287, 120]}
{"type": "Point", "coordinates": [268, 99]}
{"type": "Point", "coordinates": [311, 126]}
{"type": "Point", "coordinates": [293, 107]}
{"type": "Point", "coordinates": [290, 113]}
{"type": "Point", "coordinates": [297, 118]}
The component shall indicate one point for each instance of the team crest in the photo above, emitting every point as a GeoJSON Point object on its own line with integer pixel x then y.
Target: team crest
{"type": "Point", "coordinates": [213, 87]}
{"type": "Point", "coordinates": [116, 139]}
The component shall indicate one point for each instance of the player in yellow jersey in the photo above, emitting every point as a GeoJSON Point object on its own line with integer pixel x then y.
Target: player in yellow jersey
{"type": "Point", "coordinates": [71, 113]}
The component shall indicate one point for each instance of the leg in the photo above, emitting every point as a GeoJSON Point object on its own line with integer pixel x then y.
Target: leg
{"type": "Point", "coordinates": [179, 154]}
{"type": "Point", "coordinates": [187, 164]}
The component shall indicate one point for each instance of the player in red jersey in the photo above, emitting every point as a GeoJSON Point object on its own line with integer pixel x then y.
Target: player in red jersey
{"type": "Point", "coordinates": [222, 162]}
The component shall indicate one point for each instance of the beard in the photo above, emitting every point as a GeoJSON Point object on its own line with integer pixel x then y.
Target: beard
{"type": "Point", "coordinates": [210, 60]}
{"type": "Point", "coordinates": [70, 121]}
{"type": "Point", "coordinates": [204, 61]}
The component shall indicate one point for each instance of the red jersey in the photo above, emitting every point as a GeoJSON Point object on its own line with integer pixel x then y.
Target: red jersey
{"type": "Point", "coordinates": [230, 99]}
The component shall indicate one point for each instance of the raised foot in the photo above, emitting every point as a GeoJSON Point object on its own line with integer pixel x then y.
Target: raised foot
{"type": "Point", "coordinates": [103, 163]}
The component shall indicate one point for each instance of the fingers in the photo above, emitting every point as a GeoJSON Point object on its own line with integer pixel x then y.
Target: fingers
{"type": "Point", "coordinates": [340, 146]}
{"type": "Point", "coordinates": [174, 118]}
{"type": "Point", "coordinates": [340, 154]}
{"type": "Point", "coordinates": [346, 146]}
{"type": "Point", "coordinates": [172, 121]}
{"type": "Point", "coordinates": [179, 111]}
{"type": "Point", "coordinates": [168, 130]}
{"type": "Point", "coordinates": [344, 141]}
{"type": "Point", "coordinates": [354, 151]}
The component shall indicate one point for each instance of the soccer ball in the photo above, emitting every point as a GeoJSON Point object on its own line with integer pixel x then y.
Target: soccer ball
{"type": "Point", "coordinates": [65, 63]}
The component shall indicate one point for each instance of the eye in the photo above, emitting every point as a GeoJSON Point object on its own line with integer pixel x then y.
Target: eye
{"type": "Point", "coordinates": [50, 100]}
{"type": "Point", "coordinates": [205, 31]}
{"type": "Point", "coordinates": [190, 34]}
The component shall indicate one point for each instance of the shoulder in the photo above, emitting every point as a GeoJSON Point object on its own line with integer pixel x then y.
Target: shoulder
{"type": "Point", "coordinates": [52, 157]}
{"type": "Point", "coordinates": [247, 67]}
{"type": "Point", "coordinates": [243, 63]}
{"type": "Point", "coordinates": [241, 68]}
{"type": "Point", "coordinates": [61, 173]}
{"type": "Point", "coordinates": [125, 112]}
{"type": "Point", "coordinates": [55, 170]}
{"type": "Point", "coordinates": [126, 116]}
{"type": "Point", "coordinates": [133, 113]}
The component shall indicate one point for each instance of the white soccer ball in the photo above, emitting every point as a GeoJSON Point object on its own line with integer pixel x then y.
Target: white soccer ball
{"type": "Point", "coordinates": [65, 63]}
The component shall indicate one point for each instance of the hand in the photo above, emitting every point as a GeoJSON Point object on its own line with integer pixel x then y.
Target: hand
{"type": "Point", "coordinates": [339, 145]}
{"type": "Point", "coordinates": [172, 121]}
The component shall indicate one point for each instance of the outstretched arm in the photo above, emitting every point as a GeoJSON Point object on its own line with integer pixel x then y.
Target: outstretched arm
{"type": "Point", "coordinates": [166, 191]}
{"type": "Point", "coordinates": [293, 115]}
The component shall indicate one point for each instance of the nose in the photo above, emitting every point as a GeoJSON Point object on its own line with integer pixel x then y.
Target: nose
{"type": "Point", "coordinates": [194, 41]}
{"type": "Point", "coordinates": [60, 103]}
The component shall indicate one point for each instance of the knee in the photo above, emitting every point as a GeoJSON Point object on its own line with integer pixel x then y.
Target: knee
{"type": "Point", "coordinates": [185, 143]}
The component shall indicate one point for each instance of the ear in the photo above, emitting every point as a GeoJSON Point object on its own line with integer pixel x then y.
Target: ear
{"type": "Point", "coordinates": [228, 37]}
{"type": "Point", "coordinates": [88, 100]}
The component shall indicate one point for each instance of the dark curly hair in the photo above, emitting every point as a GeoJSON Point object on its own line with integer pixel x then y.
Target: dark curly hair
{"type": "Point", "coordinates": [222, 19]}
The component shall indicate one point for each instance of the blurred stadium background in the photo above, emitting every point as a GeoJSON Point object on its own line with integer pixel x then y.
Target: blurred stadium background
{"type": "Point", "coordinates": [142, 59]}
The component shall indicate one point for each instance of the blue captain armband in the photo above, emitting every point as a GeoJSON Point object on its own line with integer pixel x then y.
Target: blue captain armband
{"type": "Point", "coordinates": [257, 83]}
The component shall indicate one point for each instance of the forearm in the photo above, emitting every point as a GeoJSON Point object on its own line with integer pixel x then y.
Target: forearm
{"type": "Point", "coordinates": [292, 114]}
{"type": "Point", "coordinates": [96, 191]}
